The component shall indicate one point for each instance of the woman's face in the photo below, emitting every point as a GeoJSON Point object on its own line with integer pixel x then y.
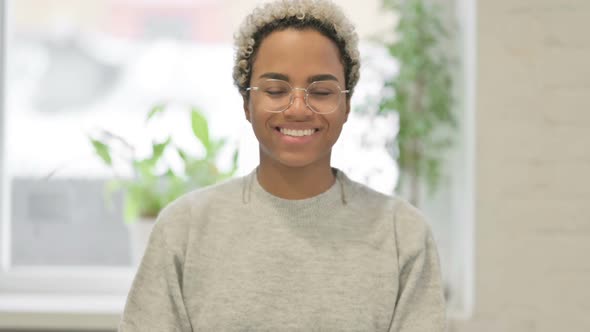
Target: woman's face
{"type": "Point", "coordinates": [298, 57]}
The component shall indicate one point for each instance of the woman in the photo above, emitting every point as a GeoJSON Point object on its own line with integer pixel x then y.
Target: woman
{"type": "Point", "coordinates": [295, 245]}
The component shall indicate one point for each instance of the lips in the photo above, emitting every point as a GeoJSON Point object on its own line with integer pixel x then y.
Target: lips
{"type": "Point", "coordinates": [295, 130]}
{"type": "Point", "coordinates": [296, 134]}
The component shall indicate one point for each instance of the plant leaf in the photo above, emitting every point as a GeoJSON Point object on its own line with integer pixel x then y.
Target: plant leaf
{"type": "Point", "coordinates": [131, 212]}
{"type": "Point", "coordinates": [109, 189]}
{"type": "Point", "coordinates": [155, 110]}
{"type": "Point", "coordinates": [158, 149]}
{"type": "Point", "coordinates": [234, 167]}
{"type": "Point", "coordinates": [200, 128]}
{"type": "Point", "coordinates": [215, 147]}
{"type": "Point", "coordinates": [185, 157]}
{"type": "Point", "coordinates": [102, 150]}
{"type": "Point", "coordinates": [146, 169]}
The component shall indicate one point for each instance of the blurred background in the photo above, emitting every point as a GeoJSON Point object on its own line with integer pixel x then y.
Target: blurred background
{"type": "Point", "coordinates": [504, 187]}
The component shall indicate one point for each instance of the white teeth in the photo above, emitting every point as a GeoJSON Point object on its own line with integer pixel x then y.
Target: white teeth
{"type": "Point", "coordinates": [297, 133]}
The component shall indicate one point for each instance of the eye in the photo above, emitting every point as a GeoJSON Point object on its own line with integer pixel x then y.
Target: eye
{"type": "Point", "coordinates": [323, 90]}
{"type": "Point", "coordinates": [274, 92]}
{"type": "Point", "coordinates": [319, 93]}
{"type": "Point", "coordinates": [275, 89]}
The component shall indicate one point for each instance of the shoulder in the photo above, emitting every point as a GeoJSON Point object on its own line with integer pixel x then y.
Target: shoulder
{"type": "Point", "coordinates": [408, 219]}
{"type": "Point", "coordinates": [413, 235]}
{"type": "Point", "coordinates": [366, 197]}
{"type": "Point", "coordinates": [186, 204]}
{"type": "Point", "coordinates": [410, 225]}
{"type": "Point", "coordinates": [175, 220]}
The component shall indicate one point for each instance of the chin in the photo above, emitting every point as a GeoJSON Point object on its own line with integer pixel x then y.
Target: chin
{"type": "Point", "coordinates": [294, 163]}
{"type": "Point", "coordinates": [298, 160]}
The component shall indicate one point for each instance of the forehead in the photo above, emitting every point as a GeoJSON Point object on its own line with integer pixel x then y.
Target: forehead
{"type": "Point", "coordinates": [298, 54]}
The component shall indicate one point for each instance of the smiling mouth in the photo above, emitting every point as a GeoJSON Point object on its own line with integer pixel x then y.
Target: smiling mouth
{"type": "Point", "coordinates": [297, 132]}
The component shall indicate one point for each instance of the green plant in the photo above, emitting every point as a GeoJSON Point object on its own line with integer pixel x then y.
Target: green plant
{"type": "Point", "coordinates": [154, 184]}
{"type": "Point", "coordinates": [421, 94]}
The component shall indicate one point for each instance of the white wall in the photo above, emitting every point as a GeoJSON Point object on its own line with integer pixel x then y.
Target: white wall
{"type": "Point", "coordinates": [533, 160]}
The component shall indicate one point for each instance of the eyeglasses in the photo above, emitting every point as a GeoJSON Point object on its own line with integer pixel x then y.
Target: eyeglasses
{"type": "Point", "coordinates": [277, 96]}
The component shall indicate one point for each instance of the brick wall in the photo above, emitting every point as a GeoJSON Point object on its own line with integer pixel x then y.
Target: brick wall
{"type": "Point", "coordinates": [533, 167]}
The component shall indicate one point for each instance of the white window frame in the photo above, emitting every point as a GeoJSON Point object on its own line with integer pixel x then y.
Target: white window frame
{"type": "Point", "coordinates": [4, 213]}
{"type": "Point", "coordinates": [464, 178]}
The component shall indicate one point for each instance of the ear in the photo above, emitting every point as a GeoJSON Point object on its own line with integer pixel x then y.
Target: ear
{"type": "Point", "coordinates": [246, 106]}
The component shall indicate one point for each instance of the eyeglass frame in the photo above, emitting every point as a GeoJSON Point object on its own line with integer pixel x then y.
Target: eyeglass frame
{"type": "Point", "coordinates": [292, 95]}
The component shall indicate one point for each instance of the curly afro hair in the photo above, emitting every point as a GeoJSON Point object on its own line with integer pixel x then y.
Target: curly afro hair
{"type": "Point", "coordinates": [321, 15]}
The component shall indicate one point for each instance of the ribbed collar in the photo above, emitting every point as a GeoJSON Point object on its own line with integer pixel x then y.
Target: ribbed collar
{"type": "Point", "coordinates": [335, 197]}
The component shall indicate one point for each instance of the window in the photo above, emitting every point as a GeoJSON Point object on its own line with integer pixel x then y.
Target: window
{"type": "Point", "coordinates": [75, 67]}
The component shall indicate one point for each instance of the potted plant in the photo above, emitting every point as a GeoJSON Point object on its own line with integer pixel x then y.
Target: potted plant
{"type": "Point", "coordinates": [421, 94]}
{"type": "Point", "coordinates": [154, 184]}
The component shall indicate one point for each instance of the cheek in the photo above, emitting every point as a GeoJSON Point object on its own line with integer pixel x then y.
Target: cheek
{"type": "Point", "coordinates": [335, 127]}
{"type": "Point", "coordinates": [256, 118]}
{"type": "Point", "coordinates": [259, 121]}
{"type": "Point", "coordinates": [339, 117]}
{"type": "Point", "coordinates": [337, 131]}
{"type": "Point", "coordinates": [248, 109]}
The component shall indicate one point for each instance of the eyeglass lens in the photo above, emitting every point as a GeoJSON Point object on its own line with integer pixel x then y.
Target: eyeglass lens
{"type": "Point", "coordinates": [322, 96]}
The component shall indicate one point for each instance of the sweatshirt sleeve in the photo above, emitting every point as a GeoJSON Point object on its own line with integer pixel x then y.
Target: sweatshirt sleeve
{"type": "Point", "coordinates": [155, 301]}
{"type": "Point", "coordinates": [420, 305]}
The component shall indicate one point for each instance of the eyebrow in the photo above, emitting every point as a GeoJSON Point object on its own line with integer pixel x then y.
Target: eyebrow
{"type": "Point", "coordinates": [322, 77]}
{"type": "Point", "coordinates": [276, 76]}
{"type": "Point", "coordinates": [283, 77]}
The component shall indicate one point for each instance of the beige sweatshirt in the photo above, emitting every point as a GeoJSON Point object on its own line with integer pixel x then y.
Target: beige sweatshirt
{"type": "Point", "coordinates": [233, 257]}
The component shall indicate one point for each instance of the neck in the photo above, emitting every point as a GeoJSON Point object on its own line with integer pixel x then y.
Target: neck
{"type": "Point", "coordinates": [295, 182]}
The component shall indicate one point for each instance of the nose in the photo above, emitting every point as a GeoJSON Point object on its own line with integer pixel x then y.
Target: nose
{"type": "Point", "coordinates": [298, 111]}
